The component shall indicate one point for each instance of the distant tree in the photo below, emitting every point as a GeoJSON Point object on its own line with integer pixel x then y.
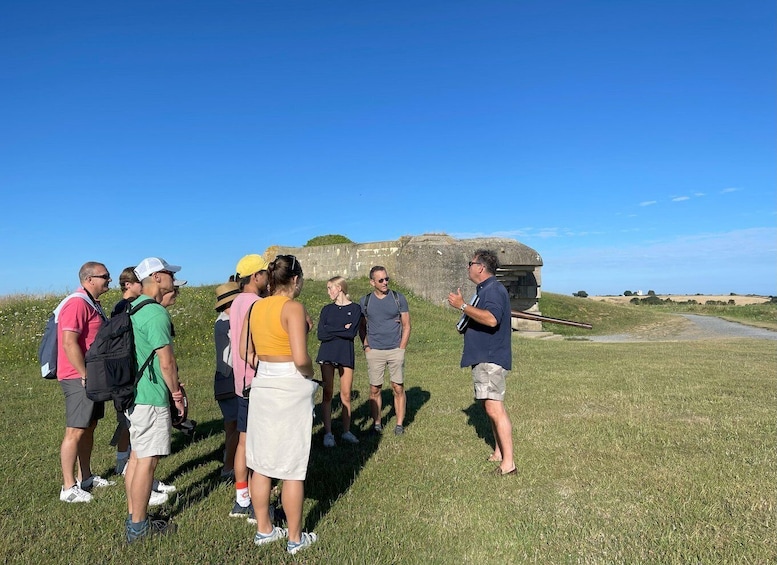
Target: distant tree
{"type": "Point", "coordinates": [580, 294]}
{"type": "Point", "coordinates": [627, 293]}
{"type": "Point", "coordinates": [331, 239]}
{"type": "Point", "coordinates": [651, 292]}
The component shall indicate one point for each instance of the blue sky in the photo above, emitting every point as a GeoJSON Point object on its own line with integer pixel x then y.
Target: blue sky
{"type": "Point", "coordinates": [632, 144]}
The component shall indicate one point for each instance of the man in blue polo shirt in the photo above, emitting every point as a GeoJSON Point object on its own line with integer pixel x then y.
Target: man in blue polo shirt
{"type": "Point", "coordinates": [487, 349]}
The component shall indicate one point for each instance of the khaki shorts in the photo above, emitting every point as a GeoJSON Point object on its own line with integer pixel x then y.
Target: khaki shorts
{"type": "Point", "coordinates": [150, 428]}
{"type": "Point", "coordinates": [379, 359]}
{"type": "Point", "coordinates": [80, 412]}
{"type": "Point", "coordinates": [490, 381]}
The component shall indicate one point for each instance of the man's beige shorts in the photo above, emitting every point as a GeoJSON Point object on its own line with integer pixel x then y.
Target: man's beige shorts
{"type": "Point", "coordinates": [490, 381]}
{"type": "Point", "coordinates": [150, 428]}
{"type": "Point", "coordinates": [379, 359]}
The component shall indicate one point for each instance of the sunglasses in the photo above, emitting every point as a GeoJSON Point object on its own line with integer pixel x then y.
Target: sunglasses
{"type": "Point", "coordinates": [473, 263]}
{"type": "Point", "coordinates": [105, 277]}
{"type": "Point", "coordinates": [381, 281]}
{"type": "Point", "coordinates": [294, 264]}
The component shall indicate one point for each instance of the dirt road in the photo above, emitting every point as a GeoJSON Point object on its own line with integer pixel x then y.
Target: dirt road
{"type": "Point", "coordinates": [689, 327]}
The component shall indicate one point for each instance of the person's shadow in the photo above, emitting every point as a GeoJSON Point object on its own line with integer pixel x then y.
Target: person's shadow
{"type": "Point", "coordinates": [332, 470]}
{"type": "Point", "coordinates": [478, 419]}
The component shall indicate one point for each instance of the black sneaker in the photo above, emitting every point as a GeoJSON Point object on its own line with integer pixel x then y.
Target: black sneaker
{"type": "Point", "coordinates": [399, 430]}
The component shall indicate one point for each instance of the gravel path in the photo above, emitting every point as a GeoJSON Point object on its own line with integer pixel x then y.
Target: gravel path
{"type": "Point", "coordinates": [696, 327]}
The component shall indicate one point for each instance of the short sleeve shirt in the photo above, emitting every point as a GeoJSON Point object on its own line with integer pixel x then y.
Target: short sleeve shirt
{"type": "Point", "coordinates": [384, 324]}
{"type": "Point", "coordinates": [79, 316]}
{"type": "Point", "coordinates": [152, 328]}
{"type": "Point", "coordinates": [483, 344]}
{"type": "Point", "coordinates": [244, 374]}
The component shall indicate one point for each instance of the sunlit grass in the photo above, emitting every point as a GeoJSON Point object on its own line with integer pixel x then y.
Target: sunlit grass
{"type": "Point", "coordinates": [627, 453]}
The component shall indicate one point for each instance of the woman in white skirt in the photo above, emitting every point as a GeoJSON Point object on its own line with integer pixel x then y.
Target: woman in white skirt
{"type": "Point", "coordinates": [280, 408]}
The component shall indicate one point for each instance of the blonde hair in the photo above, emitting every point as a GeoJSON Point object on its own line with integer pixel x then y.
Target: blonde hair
{"type": "Point", "coordinates": [341, 282]}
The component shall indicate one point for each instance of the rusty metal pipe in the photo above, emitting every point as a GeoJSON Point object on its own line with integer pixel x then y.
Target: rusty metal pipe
{"type": "Point", "coordinates": [538, 318]}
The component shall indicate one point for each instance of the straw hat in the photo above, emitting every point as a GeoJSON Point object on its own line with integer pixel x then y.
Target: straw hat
{"type": "Point", "coordinates": [225, 294]}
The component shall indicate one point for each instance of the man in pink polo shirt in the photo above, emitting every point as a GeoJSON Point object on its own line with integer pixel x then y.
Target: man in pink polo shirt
{"type": "Point", "coordinates": [80, 317]}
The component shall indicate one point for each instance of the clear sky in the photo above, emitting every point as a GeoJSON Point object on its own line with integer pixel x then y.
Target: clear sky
{"type": "Point", "coordinates": [631, 143]}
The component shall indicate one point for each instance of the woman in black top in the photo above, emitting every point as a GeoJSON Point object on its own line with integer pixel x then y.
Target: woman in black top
{"type": "Point", "coordinates": [338, 325]}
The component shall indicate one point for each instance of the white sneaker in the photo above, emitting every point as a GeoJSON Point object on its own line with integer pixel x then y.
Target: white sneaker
{"type": "Point", "coordinates": [348, 437]}
{"type": "Point", "coordinates": [159, 486]}
{"type": "Point", "coordinates": [329, 440]}
{"type": "Point", "coordinates": [95, 481]}
{"type": "Point", "coordinates": [157, 498]}
{"type": "Point", "coordinates": [306, 540]}
{"type": "Point", "coordinates": [276, 534]}
{"type": "Point", "coordinates": [74, 494]}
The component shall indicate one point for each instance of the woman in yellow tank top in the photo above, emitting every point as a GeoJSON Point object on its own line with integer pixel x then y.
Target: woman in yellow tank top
{"type": "Point", "coordinates": [280, 408]}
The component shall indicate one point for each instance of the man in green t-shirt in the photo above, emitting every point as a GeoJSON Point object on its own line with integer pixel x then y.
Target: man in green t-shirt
{"type": "Point", "coordinates": [150, 423]}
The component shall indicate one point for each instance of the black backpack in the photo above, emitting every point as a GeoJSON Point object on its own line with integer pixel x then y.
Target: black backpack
{"type": "Point", "coordinates": [111, 366]}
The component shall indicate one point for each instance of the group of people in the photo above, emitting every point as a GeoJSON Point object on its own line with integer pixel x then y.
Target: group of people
{"type": "Point", "coordinates": [144, 431]}
{"type": "Point", "coordinates": [261, 342]}
{"type": "Point", "coordinates": [264, 380]}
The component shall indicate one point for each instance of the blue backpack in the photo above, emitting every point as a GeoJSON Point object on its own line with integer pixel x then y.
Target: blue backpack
{"type": "Point", "coordinates": [47, 351]}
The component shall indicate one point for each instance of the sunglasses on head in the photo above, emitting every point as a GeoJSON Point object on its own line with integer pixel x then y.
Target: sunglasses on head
{"type": "Point", "coordinates": [294, 265]}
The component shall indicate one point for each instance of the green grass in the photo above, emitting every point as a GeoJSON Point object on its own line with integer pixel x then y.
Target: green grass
{"type": "Point", "coordinates": [627, 453]}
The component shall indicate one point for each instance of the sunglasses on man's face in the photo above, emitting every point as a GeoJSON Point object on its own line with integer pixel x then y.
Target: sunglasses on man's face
{"type": "Point", "coordinates": [381, 281]}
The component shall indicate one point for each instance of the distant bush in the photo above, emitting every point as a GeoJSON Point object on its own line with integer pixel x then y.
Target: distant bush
{"type": "Point", "coordinates": [580, 294]}
{"type": "Point", "coordinates": [649, 300]}
{"type": "Point", "coordinates": [627, 293]}
{"type": "Point", "coordinates": [651, 292]}
{"type": "Point", "coordinates": [331, 239]}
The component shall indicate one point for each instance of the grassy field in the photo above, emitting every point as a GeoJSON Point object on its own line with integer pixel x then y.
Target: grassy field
{"type": "Point", "coordinates": [627, 453]}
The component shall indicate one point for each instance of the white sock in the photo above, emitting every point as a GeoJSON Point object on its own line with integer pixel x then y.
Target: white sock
{"type": "Point", "coordinates": [243, 498]}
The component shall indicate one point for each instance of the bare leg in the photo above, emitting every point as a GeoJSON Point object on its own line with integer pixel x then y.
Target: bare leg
{"type": "Point", "coordinates": [292, 496]}
{"type": "Point", "coordinates": [400, 402]}
{"type": "Point", "coordinates": [140, 477]}
{"type": "Point", "coordinates": [503, 432]}
{"type": "Point", "coordinates": [328, 378]}
{"type": "Point", "coordinates": [231, 438]}
{"type": "Point", "coordinates": [122, 444]}
{"type": "Point", "coordinates": [376, 404]}
{"type": "Point", "coordinates": [260, 491]}
{"type": "Point", "coordinates": [85, 446]}
{"type": "Point", "coordinates": [346, 381]}
{"type": "Point", "coordinates": [68, 454]}
{"type": "Point", "coordinates": [241, 469]}
{"type": "Point", "coordinates": [496, 456]}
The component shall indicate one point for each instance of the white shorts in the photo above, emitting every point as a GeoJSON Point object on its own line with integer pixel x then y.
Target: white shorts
{"type": "Point", "coordinates": [150, 429]}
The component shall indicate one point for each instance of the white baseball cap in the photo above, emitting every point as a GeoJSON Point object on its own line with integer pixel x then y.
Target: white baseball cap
{"type": "Point", "coordinates": [151, 265]}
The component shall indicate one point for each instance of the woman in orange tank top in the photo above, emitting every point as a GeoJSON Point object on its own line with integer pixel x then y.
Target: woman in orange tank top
{"type": "Point", "coordinates": [280, 408]}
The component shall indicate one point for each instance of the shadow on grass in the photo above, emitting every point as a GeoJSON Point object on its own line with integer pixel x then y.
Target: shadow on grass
{"type": "Point", "coordinates": [478, 419]}
{"type": "Point", "coordinates": [332, 471]}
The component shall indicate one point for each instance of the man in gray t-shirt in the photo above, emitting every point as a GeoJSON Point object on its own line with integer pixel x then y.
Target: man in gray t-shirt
{"type": "Point", "coordinates": [385, 331]}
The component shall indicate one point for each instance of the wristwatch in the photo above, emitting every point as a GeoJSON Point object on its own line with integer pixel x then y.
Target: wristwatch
{"type": "Point", "coordinates": [463, 306]}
